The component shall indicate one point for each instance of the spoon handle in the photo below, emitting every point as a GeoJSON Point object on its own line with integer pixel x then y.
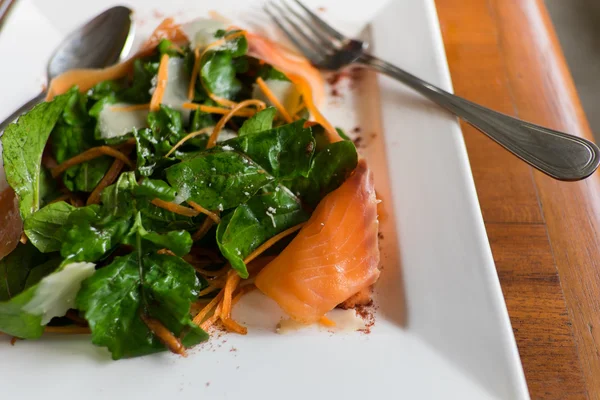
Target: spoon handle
{"type": "Point", "coordinates": [22, 110]}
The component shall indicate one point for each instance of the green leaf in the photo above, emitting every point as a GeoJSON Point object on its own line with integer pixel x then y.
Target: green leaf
{"type": "Point", "coordinates": [43, 228]}
{"type": "Point", "coordinates": [330, 168]}
{"type": "Point", "coordinates": [267, 72]}
{"type": "Point", "coordinates": [89, 236]}
{"type": "Point", "coordinates": [139, 90]}
{"type": "Point", "coordinates": [117, 199]}
{"type": "Point", "coordinates": [284, 152]}
{"type": "Point", "coordinates": [179, 242]}
{"type": "Point", "coordinates": [253, 223]}
{"type": "Point", "coordinates": [25, 314]}
{"type": "Point", "coordinates": [113, 301]}
{"type": "Point", "coordinates": [153, 188]}
{"type": "Point", "coordinates": [166, 124]}
{"type": "Point", "coordinates": [217, 180]}
{"type": "Point", "coordinates": [261, 121]}
{"type": "Point", "coordinates": [17, 270]}
{"type": "Point", "coordinates": [86, 176]}
{"type": "Point", "coordinates": [218, 74]}
{"type": "Point", "coordinates": [23, 143]}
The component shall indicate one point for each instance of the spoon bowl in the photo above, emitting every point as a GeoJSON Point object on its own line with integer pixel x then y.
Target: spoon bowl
{"type": "Point", "coordinates": [99, 43]}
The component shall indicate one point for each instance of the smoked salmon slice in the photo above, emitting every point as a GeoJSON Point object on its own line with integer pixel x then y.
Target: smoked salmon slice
{"type": "Point", "coordinates": [334, 256]}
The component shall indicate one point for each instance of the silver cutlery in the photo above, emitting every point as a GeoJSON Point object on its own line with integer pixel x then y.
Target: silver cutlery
{"type": "Point", "coordinates": [559, 155]}
{"type": "Point", "coordinates": [99, 43]}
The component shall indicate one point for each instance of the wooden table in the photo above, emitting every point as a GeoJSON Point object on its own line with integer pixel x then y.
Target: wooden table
{"type": "Point", "coordinates": [544, 234]}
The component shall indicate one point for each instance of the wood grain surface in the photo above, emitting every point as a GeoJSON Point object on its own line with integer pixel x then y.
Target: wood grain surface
{"type": "Point", "coordinates": [544, 234]}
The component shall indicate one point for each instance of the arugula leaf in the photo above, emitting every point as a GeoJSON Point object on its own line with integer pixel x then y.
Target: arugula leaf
{"type": "Point", "coordinates": [88, 235]}
{"type": "Point", "coordinates": [116, 198]}
{"type": "Point", "coordinates": [166, 124]}
{"type": "Point", "coordinates": [179, 242]}
{"type": "Point", "coordinates": [218, 74]}
{"type": "Point", "coordinates": [267, 72]}
{"type": "Point", "coordinates": [114, 297]}
{"type": "Point", "coordinates": [152, 188]}
{"type": "Point", "coordinates": [23, 143]}
{"type": "Point", "coordinates": [18, 269]}
{"type": "Point", "coordinates": [284, 152]}
{"type": "Point", "coordinates": [217, 180]}
{"type": "Point", "coordinates": [251, 224]}
{"type": "Point", "coordinates": [25, 314]}
{"type": "Point", "coordinates": [43, 228]}
{"type": "Point", "coordinates": [139, 90]}
{"type": "Point", "coordinates": [330, 168]}
{"type": "Point", "coordinates": [261, 121]}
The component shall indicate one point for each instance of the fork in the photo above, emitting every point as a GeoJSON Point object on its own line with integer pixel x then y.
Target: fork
{"type": "Point", "coordinates": [557, 154]}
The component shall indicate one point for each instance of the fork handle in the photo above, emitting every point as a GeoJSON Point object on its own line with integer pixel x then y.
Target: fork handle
{"type": "Point", "coordinates": [560, 155]}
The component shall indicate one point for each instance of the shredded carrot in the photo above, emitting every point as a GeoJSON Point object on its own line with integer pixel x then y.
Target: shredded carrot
{"type": "Point", "coordinates": [176, 208]}
{"type": "Point", "coordinates": [219, 100]}
{"type": "Point", "coordinates": [204, 228]}
{"type": "Point", "coordinates": [111, 175]}
{"type": "Point", "coordinates": [218, 110]}
{"type": "Point", "coordinates": [274, 100]}
{"type": "Point", "coordinates": [242, 291]}
{"type": "Point", "coordinates": [161, 85]}
{"type": "Point", "coordinates": [88, 155]}
{"type": "Point", "coordinates": [193, 78]}
{"type": "Point", "coordinates": [208, 308]}
{"type": "Point", "coordinates": [23, 238]}
{"type": "Point", "coordinates": [326, 322]}
{"type": "Point", "coordinates": [271, 242]}
{"type": "Point", "coordinates": [188, 137]}
{"type": "Point", "coordinates": [200, 209]}
{"type": "Point", "coordinates": [304, 88]}
{"type": "Point", "coordinates": [210, 321]}
{"type": "Point", "coordinates": [233, 279]}
{"type": "Point", "coordinates": [208, 290]}
{"type": "Point", "coordinates": [132, 107]}
{"type": "Point", "coordinates": [164, 335]}
{"type": "Point", "coordinates": [165, 251]}
{"type": "Point", "coordinates": [233, 326]}
{"type": "Point", "coordinates": [246, 103]}
{"type": "Point", "coordinates": [13, 340]}
{"type": "Point", "coordinates": [177, 48]}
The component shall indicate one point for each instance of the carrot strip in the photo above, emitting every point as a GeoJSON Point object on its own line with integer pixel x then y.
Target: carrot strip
{"type": "Point", "coordinates": [274, 100]}
{"type": "Point", "coordinates": [193, 78]}
{"type": "Point", "coordinates": [23, 238]}
{"type": "Point", "coordinates": [233, 280]}
{"type": "Point", "coordinates": [176, 208]}
{"type": "Point", "coordinates": [304, 88]}
{"type": "Point", "coordinates": [210, 321]}
{"type": "Point", "coordinates": [204, 312]}
{"type": "Point", "coordinates": [242, 291]}
{"type": "Point", "coordinates": [199, 208]}
{"type": "Point", "coordinates": [208, 290]}
{"type": "Point", "coordinates": [88, 155]}
{"type": "Point", "coordinates": [246, 103]}
{"type": "Point", "coordinates": [165, 251]}
{"type": "Point", "coordinates": [108, 179]}
{"type": "Point", "coordinates": [188, 137]}
{"type": "Point", "coordinates": [132, 107]}
{"type": "Point", "coordinates": [218, 110]}
{"type": "Point", "coordinates": [204, 228]}
{"type": "Point", "coordinates": [161, 85]}
{"type": "Point", "coordinates": [164, 335]}
{"type": "Point", "coordinates": [271, 242]}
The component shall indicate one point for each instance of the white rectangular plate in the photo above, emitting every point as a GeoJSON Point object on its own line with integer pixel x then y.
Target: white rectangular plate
{"type": "Point", "coordinates": [441, 330]}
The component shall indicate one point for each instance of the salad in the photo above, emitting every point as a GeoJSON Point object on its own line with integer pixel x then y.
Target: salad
{"type": "Point", "coordinates": [146, 198]}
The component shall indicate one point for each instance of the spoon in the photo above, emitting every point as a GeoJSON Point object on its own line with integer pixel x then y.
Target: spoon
{"type": "Point", "coordinates": [99, 43]}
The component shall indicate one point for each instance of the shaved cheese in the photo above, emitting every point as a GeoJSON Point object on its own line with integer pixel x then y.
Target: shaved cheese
{"type": "Point", "coordinates": [177, 86]}
{"type": "Point", "coordinates": [201, 32]}
{"type": "Point", "coordinates": [55, 294]}
{"type": "Point", "coordinates": [284, 91]}
{"type": "Point", "coordinates": [114, 122]}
